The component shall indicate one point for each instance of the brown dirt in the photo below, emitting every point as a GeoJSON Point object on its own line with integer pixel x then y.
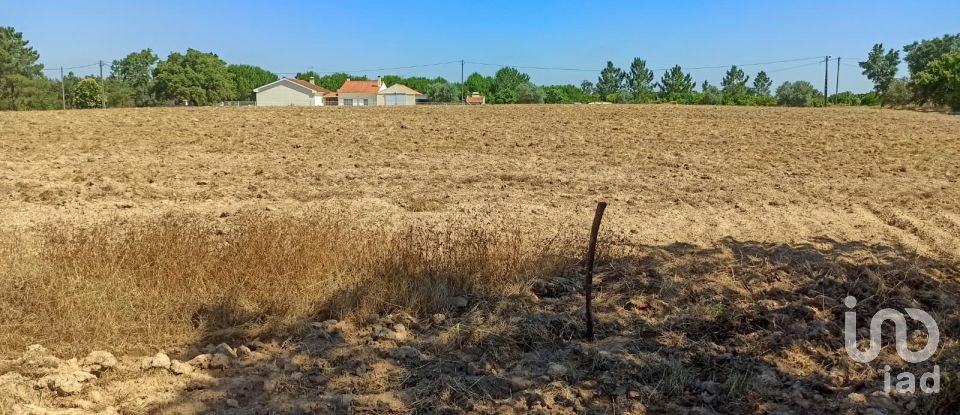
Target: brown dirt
{"type": "Point", "coordinates": [731, 238]}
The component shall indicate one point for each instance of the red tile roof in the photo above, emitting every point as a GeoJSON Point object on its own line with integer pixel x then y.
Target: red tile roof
{"type": "Point", "coordinates": [359, 87]}
{"type": "Point", "coordinates": [475, 99]}
{"type": "Point", "coordinates": [307, 84]}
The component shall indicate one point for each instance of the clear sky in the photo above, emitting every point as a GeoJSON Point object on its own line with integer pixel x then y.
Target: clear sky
{"type": "Point", "coordinates": [292, 36]}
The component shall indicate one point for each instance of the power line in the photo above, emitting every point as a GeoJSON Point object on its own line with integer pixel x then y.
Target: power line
{"type": "Point", "coordinates": [352, 71]}
{"type": "Point", "coordinates": [796, 66]}
{"type": "Point", "coordinates": [72, 67]}
{"type": "Point", "coordinates": [547, 68]}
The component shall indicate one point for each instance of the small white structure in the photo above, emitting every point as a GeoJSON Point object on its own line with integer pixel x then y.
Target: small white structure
{"type": "Point", "coordinates": [287, 92]}
{"type": "Point", "coordinates": [476, 99]}
{"type": "Point", "coordinates": [398, 94]}
{"type": "Point", "coordinates": [360, 93]}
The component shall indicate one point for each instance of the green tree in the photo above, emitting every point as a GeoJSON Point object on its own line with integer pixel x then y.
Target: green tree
{"type": "Point", "coordinates": [734, 86]}
{"type": "Point", "coordinates": [508, 79]}
{"type": "Point", "coordinates": [555, 95]}
{"type": "Point", "coordinates": [762, 84]}
{"type": "Point", "coordinates": [675, 85]}
{"type": "Point", "coordinates": [119, 94]}
{"type": "Point", "coordinates": [18, 65]}
{"type": "Point", "coordinates": [248, 77]}
{"type": "Point", "coordinates": [528, 93]}
{"type": "Point", "coordinates": [941, 80]}
{"type": "Point", "coordinates": [504, 96]}
{"type": "Point", "coordinates": [421, 83]}
{"type": "Point", "coordinates": [640, 80]}
{"type": "Point", "coordinates": [478, 83]}
{"type": "Point", "coordinates": [587, 88]}
{"type": "Point", "coordinates": [87, 94]}
{"type": "Point", "coordinates": [881, 69]}
{"type": "Point", "coordinates": [611, 80]}
{"type": "Point", "coordinates": [919, 54]}
{"type": "Point", "coordinates": [136, 71]}
{"type": "Point", "coordinates": [711, 95]}
{"type": "Point", "coordinates": [869, 99]}
{"type": "Point", "coordinates": [845, 98]}
{"type": "Point", "coordinates": [798, 94]}
{"type": "Point", "coordinates": [195, 77]}
{"type": "Point", "coordinates": [898, 92]}
{"type": "Point", "coordinates": [442, 92]}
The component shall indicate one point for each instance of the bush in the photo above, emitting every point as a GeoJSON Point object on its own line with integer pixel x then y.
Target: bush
{"type": "Point", "coordinates": [711, 96]}
{"type": "Point", "coordinates": [845, 98]}
{"type": "Point", "coordinates": [870, 99]}
{"type": "Point", "coordinates": [898, 93]}
{"type": "Point", "coordinates": [798, 94]}
{"type": "Point", "coordinates": [87, 94]}
{"type": "Point", "coordinates": [528, 93]}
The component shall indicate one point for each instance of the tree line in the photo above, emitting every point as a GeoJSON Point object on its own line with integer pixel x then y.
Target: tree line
{"type": "Point", "coordinates": [201, 78]}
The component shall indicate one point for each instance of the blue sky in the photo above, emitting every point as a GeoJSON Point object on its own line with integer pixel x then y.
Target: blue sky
{"type": "Point", "coordinates": [292, 36]}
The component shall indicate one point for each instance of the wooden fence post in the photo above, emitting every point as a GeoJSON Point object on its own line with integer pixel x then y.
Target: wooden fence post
{"type": "Point", "coordinates": [591, 253]}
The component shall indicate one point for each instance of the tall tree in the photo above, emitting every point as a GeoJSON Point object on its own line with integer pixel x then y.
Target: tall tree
{"type": "Point", "coordinates": [528, 93]}
{"type": "Point", "coordinates": [136, 70]}
{"type": "Point", "coordinates": [611, 80]}
{"type": "Point", "coordinates": [248, 77]}
{"type": "Point", "coordinates": [881, 68]}
{"type": "Point", "coordinates": [798, 94]}
{"type": "Point", "coordinates": [710, 95]}
{"type": "Point", "coordinates": [18, 65]}
{"type": "Point", "coordinates": [587, 88]}
{"type": "Point", "coordinates": [195, 77]}
{"type": "Point", "coordinates": [675, 84]}
{"type": "Point", "coordinates": [940, 79]}
{"type": "Point", "coordinates": [478, 83]}
{"type": "Point", "coordinates": [508, 79]}
{"type": "Point", "coordinates": [640, 80]}
{"type": "Point", "coordinates": [920, 54]}
{"type": "Point", "coordinates": [442, 92]}
{"type": "Point", "coordinates": [87, 94]}
{"type": "Point", "coordinates": [734, 85]}
{"type": "Point", "coordinates": [762, 84]}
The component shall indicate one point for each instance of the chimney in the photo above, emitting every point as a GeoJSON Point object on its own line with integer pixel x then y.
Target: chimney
{"type": "Point", "coordinates": [311, 81]}
{"type": "Point", "coordinates": [379, 81]}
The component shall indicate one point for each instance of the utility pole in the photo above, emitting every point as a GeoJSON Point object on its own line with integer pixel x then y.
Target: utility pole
{"type": "Point", "coordinates": [461, 81]}
{"type": "Point", "coordinates": [103, 91]}
{"type": "Point", "coordinates": [836, 86]}
{"type": "Point", "coordinates": [63, 89]}
{"type": "Point", "coordinates": [826, 75]}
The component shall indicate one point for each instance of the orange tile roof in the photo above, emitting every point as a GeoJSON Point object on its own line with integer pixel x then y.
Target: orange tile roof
{"type": "Point", "coordinates": [307, 84]}
{"type": "Point", "coordinates": [475, 99]}
{"type": "Point", "coordinates": [360, 87]}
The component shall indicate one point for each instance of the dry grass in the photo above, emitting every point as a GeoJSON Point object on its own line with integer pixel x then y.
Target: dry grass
{"type": "Point", "coordinates": [175, 279]}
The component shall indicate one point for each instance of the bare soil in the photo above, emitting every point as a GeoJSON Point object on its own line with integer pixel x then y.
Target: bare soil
{"type": "Point", "coordinates": [732, 236]}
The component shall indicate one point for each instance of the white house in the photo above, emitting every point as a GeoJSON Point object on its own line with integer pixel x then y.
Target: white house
{"type": "Point", "coordinates": [291, 92]}
{"type": "Point", "coordinates": [398, 94]}
{"type": "Point", "coordinates": [360, 93]}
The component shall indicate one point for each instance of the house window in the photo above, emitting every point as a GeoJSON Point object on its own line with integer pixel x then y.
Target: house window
{"type": "Point", "coordinates": [348, 101]}
{"type": "Point", "coordinates": [365, 102]}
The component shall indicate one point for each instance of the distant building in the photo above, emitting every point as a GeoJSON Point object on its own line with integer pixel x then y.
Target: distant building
{"type": "Point", "coordinates": [286, 92]}
{"type": "Point", "coordinates": [398, 94]}
{"type": "Point", "coordinates": [476, 99]}
{"type": "Point", "coordinates": [295, 92]}
{"type": "Point", "coordinates": [360, 93]}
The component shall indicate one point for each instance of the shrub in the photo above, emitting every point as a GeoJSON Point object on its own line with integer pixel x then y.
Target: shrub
{"type": "Point", "coordinates": [87, 94]}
